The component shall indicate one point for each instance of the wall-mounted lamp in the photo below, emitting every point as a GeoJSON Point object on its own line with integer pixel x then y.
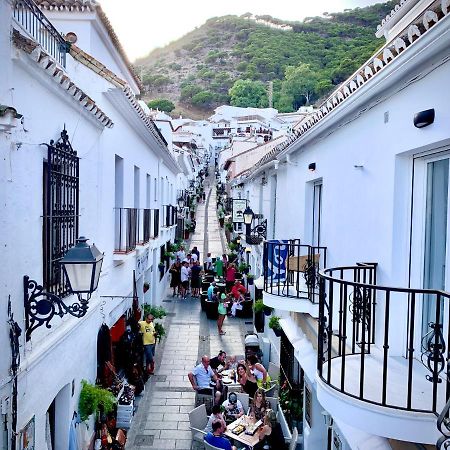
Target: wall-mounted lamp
{"type": "Point", "coordinates": [82, 265]}
{"type": "Point", "coordinates": [327, 418]}
{"type": "Point", "coordinates": [424, 118]}
{"type": "Point", "coordinates": [312, 167]}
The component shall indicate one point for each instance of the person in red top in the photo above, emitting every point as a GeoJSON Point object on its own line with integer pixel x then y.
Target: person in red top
{"type": "Point", "coordinates": [237, 292]}
{"type": "Point", "coordinates": [230, 276]}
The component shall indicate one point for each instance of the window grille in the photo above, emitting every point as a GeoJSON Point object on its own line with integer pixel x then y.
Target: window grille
{"type": "Point", "coordinates": [60, 211]}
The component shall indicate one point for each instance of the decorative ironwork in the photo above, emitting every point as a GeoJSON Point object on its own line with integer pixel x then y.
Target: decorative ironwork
{"type": "Point", "coordinates": [31, 18]}
{"type": "Point", "coordinates": [310, 272]}
{"type": "Point", "coordinates": [60, 218]}
{"type": "Point", "coordinates": [41, 306]}
{"type": "Point", "coordinates": [443, 425]}
{"type": "Point", "coordinates": [258, 233]}
{"type": "Point", "coordinates": [14, 334]}
{"type": "Point", "coordinates": [433, 352]}
{"type": "Point", "coordinates": [360, 306]}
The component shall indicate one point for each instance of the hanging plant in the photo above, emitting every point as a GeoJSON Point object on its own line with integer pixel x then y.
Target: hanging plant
{"type": "Point", "coordinates": [274, 323]}
{"type": "Point", "coordinates": [146, 287]}
{"type": "Point", "coordinates": [94, 398]}
{"type": "Point", "coordinates": [258, 306]}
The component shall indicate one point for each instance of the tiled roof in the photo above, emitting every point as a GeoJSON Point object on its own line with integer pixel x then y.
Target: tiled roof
{"type": "Point", "coordinates": [47, 64]}
{"type": "Point", "coordinates": [93, 6]}
{"type": "Point", "coordinates": [96, 66]}
{"type": "Point", "coordinates": [436, 12]}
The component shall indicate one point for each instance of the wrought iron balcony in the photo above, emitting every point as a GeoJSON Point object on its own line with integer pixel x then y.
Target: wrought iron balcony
{"type": "Point", "coordinates": [148, 225]}
{"type": "Point", "coordinates": [29, 16]}
{"type": "Point", "coordinates": [126, 229]}
{"type": "Point", "coordinates": [170, 216]}
{"type": "Point", "coordinates": [291, 269]}
{"type": "Point", "coordinates": [386, 346]}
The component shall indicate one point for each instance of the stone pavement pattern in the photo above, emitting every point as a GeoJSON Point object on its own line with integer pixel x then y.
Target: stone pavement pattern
{"type": "Point", "coordinates": [162, 419]}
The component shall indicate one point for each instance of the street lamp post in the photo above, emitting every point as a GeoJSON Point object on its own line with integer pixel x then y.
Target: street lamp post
{"type": "Point", "coordinates": [82, 265]}
{"type": "Point", "coordinates": [248, 219]}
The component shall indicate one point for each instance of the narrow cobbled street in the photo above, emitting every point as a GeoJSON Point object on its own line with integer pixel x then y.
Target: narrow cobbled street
{"type": "Point", "coordinates": [161, 421]}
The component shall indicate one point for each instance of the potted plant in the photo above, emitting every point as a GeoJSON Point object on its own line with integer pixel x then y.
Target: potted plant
{"type": "Point", "coordinates": [229, 227]}
{"type": "Point", "coordinates": [187, 230]}
{"type": "Point", "coordinates": [161, 267]}
{"type": "Point", "coordinates": [94, 398]}
{"type": "Point", "coordinates": [168, 255]}
{"type": "Point", "coordinates": [250, 279]}
{"type": "Point", "coordinates": [146, 286]}
{"type": "Point", "coordinates": [158, 312]}
{"type": "Point", "coordinates": [274, 323]}
{"type": "Point", "coordinates": [160, 331]}
{"type": "Point", "coordinates": [258, 307]}
{"type": "Point", "coordinates": [243, 267]}
{"type": "Point", "coordinates": [267, 310]}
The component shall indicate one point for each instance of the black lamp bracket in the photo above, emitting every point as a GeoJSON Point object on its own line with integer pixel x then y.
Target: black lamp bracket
{"type": "Point", "coordinates": [41, 306]}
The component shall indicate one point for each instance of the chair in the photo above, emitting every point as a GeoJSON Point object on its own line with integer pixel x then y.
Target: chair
{"type": "Point", "coordinates": [293, 443]}
{"type": "Point", "coordinates": [210, 447]}
{"type": "Point", "coordinates": [273, 403]}
{"type": "Point", "coordinates": [206, 399]}
{"type": "Point", "coordinates": [197, 423]}
{"type": "Point", "coordinates": [244, 399]}
{"type": "Point", "coordinates": [273, 371]}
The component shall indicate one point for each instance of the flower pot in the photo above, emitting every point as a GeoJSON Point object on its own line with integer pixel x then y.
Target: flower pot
{"type": "Point", "coordinates": [267, 310]}
{"type": "Point", "coordinates": [186, 234]}
{"type": "Point", "coordinates": [277, 331]}
{"type": "Point", "coordinates": [250, 281]}
{"type": "Point", "coordinates": [259, 322]}
{"type": "Point", "coordinates": [161, 269]}
{"type": "Point", "coordinates": [221, 221]}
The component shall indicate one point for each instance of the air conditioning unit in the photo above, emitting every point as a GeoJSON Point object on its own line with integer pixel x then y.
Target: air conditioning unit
{"type": "Point", "coordinates": [265, 347]}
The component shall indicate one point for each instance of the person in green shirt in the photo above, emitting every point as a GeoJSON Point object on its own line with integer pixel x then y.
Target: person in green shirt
{"type": "Point", "coordinates": [219, 267]}
{"type": "Point", "coordinates": [222, 311]}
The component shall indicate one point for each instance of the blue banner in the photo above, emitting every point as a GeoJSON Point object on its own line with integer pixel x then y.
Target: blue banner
{"type": "Point", "coordinates": [277, 254]}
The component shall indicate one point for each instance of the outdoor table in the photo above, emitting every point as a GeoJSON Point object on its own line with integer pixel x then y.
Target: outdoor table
{"type": "Point", "coordinates": [228, 382]}
{"type": "Point", "coordinates": [246, 439]}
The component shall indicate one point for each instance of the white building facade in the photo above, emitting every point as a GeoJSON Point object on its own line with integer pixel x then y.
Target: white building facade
{"type": "Point", "coordinates": [362, 190]}
{"type": "Point", "coordinates": [79, 157]}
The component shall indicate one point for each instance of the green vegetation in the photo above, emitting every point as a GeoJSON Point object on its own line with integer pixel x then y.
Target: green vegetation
{"type": "Point", "coordinates": [230, 59]}
{"type": "Point", "coordinates": [162, 104]}
{"type": "Point", "coordinates": [93, 399]}
{"type": "Point", "coordinates": [158, 312]}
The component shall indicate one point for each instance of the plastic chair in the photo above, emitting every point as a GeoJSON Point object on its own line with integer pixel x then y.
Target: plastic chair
{"type": "Point", "coordinates": [210, 447]}
{"type": "Point", "coordinates": [293, 443]}
{"type": "Point", "coordinates": [273, 403]}
{"type": "Point", "coordinates": [197, 423]}
{"type": "Point", "coordinates": [244, 399]}
{"type": "Point", "coordinates": [273, 371]}
{"type": "Point", "coordinates": [206, 399]}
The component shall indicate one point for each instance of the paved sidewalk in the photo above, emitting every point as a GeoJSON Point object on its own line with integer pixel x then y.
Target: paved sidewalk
{"type": "Point", "coordinates": [162, 421]}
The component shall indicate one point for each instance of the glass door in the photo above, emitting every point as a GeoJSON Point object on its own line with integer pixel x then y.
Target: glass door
{"type": "Point", "coordinates": [435, 239]}
{"type": "Point", "coordinates": [317, 213]}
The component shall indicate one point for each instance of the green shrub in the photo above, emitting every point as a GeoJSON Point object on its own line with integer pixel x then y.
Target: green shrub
{"type": "Point", "coordinates": [94, 398]}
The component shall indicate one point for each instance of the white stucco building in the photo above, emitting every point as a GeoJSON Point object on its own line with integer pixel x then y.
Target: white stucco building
{"type": "Point", "coordinates": [79, 157]}
{"type": "Point", "coordinates": [362, 189]}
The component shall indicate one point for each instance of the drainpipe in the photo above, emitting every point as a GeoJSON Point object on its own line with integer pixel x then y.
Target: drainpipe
{"type": "Point", "coordinates": [288, 161]}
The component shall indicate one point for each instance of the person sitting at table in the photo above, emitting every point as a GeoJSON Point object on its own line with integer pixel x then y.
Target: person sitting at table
{"type": "Point", "coordinates": [238, 290]}
{"type": "Point", "coordinates": [201, 377]}
{"type": "Point", "coordinates": [218, 361]}
{"type": "Point", "coordinates": [271, 432]}
{"type": "Point", "coordinates": [247, 380]}
{"type": "Point", "coordinates": [216, 439]}
{"type": "Point", "coordinates": [259, 405]}
{"type": "Point", "coordinates": [216, 415]}
{"type": "Point", "coordinates": [233, 408]}
{"type": "Point", "coordinates": [258, 370]}
{"type": "Point", "coordinates": [210, 290]}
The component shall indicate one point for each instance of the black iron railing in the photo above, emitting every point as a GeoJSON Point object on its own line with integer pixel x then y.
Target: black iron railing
{"type": "Point", "coordinates": [148, 225]}
{"type": "Point", "coordinates": [291, 269]}
{"type": "Point", "coordinates": [379, 363]}
{"type": "Point", "coordinates": [170, 215]}
{"type": "Point", "coordinates": [126, 226]}
{"type": "Point", "coordinates": [32, 20]}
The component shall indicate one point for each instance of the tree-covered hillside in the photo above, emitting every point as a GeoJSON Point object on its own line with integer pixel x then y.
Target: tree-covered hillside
{"type": "Point", "coordinates": [230, 60]}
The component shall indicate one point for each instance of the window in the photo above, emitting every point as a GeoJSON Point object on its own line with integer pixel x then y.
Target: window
{"type": "Point", "coordinates": [137, 187]}
{"type": "Point", "coordinates": [60, 211]}
{"type": "Point", "coordinates": [148, 198]}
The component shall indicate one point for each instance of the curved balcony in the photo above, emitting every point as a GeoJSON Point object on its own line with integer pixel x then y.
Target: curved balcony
{"type": "Point", "coordinates": [291, 275]}
{"type": "Point", "coordinates": [382, 354]}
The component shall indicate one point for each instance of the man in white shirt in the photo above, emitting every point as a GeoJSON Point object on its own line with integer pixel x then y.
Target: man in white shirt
{"type": "Point", "coordinates": [185, 271]}
{"type": "Point", "coordinates": [181, 254]}
{"type": "Point", "coordinates": [201, 377]}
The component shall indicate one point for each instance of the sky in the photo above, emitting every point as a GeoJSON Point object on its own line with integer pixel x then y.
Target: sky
{"type": "Point", "coordinates": [143, 25]}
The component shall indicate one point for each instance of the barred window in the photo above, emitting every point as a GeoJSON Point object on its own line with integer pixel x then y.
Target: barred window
{"type": "Point", "coordinates": [60, 211]}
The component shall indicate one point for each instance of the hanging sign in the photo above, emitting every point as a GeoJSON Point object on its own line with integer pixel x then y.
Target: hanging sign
{"type": "Point", "coordinates": [238, 208]}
